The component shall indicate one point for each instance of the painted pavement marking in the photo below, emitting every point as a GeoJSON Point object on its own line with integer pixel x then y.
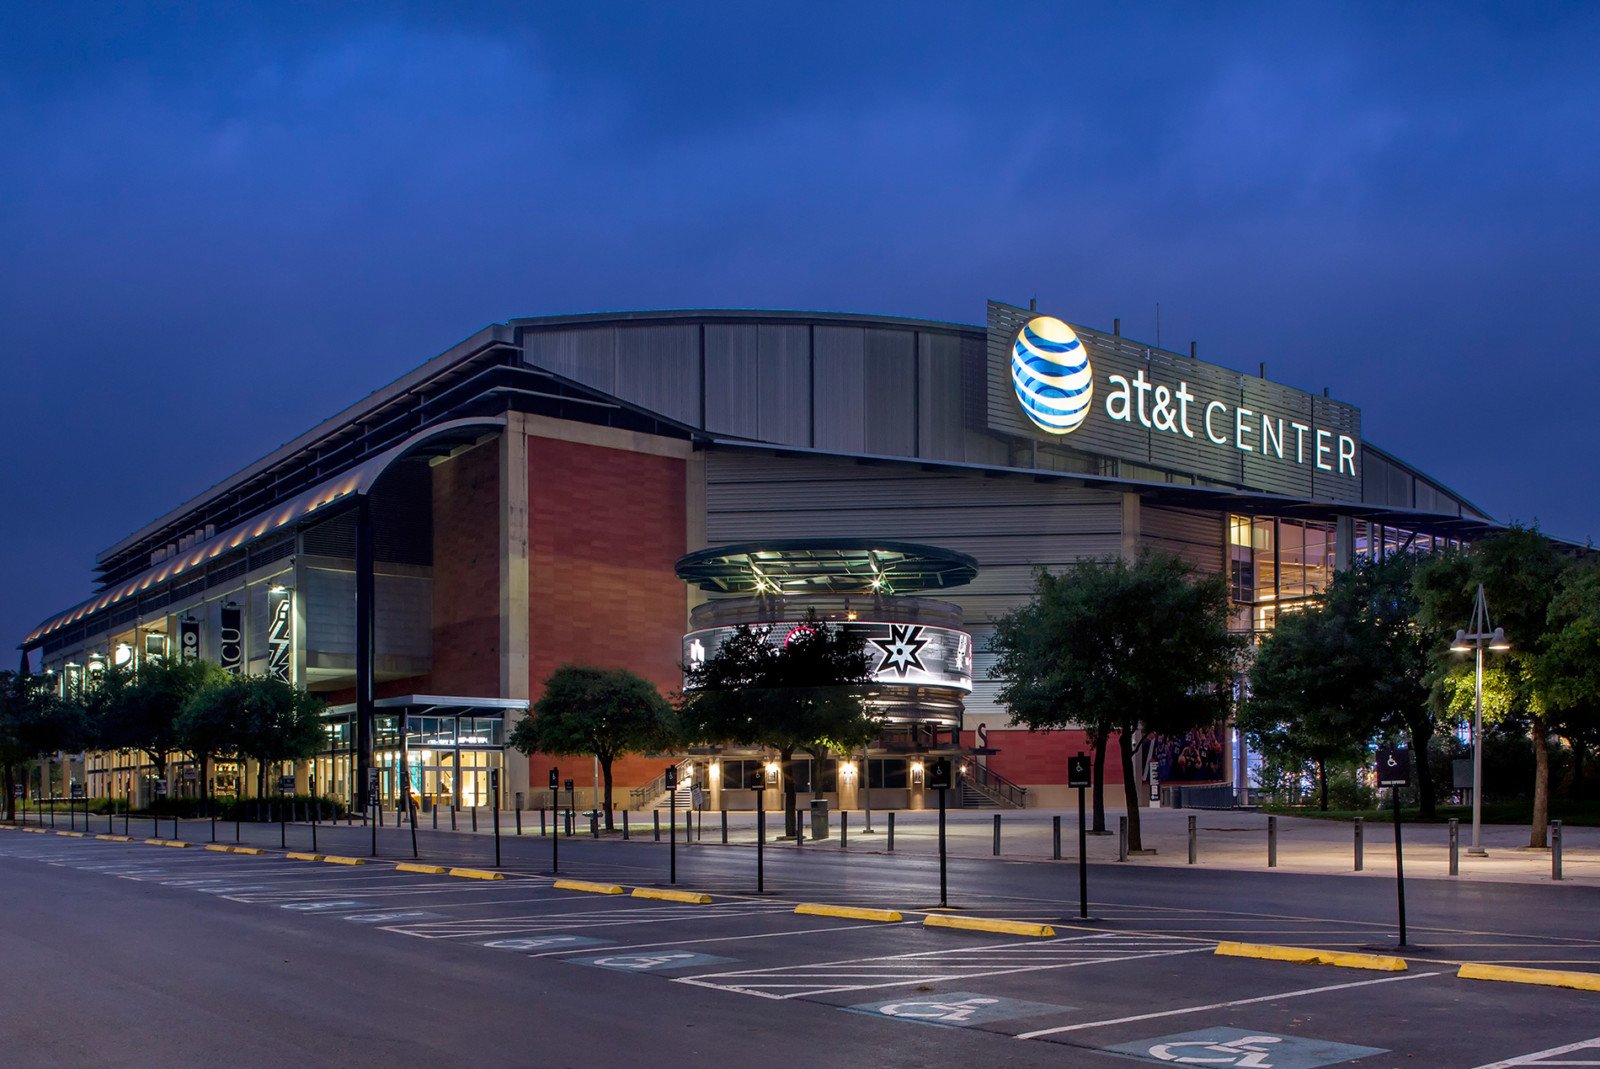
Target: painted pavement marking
{"type": "Point", "coordinates": [1239, 1047]}
{"type": "Point", "coordinates": [955, 1009]}
{"type": "Point", "coordinates": [935, 966]}
{"type": "Point", "coordinates": [661, 961]}
{"type": "Point", "coordinates": [1538, 1057]}
{"type": "Point", "coordinates": [478, 928]}
{"type": "Point", "coordinates": [543, 942]}
{"type": "Point", "coordinates": [1397, 979]}
{"type": "Point", "coordinates": [874, 926]}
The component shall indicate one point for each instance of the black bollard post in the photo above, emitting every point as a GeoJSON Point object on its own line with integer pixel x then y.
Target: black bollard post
{"type": "Point", "coordinates": [1055, 838]}
{"type": "Point", "coordinates": [656, 817]}
{"type": "Point", "coordinates": [1272, 842]}
{"type": "Point", "coordinates": [1194, 842]}
{"type": "Point", "coordinates": [1122, 838]}
{"type": "Point", "coordinates": [1455, 847]}
{"type": "Point", "coordinates": [724, 827]}
{"type": "Point", "coordinates": [997, 835]}
{"type": "Point", "coordinates": [891, 831]}
{"type": "Point", "coordinates": [1361, 844]}
{"type": "Point", "coordinates": [844, 828]}
{"type": "Point", "coordinates": [1555, 849]}
{"type": "Point", "coordinates": [624, 825]}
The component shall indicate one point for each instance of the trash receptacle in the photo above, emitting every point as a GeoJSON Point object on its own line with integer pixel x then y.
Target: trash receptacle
{"type": "Point", "coordinates": [819, 818]}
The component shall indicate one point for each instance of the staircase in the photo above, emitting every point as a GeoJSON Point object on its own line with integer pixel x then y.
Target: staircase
{"type": "Point", "coordinates": [984, 788]}
{"type": "Point", "coordinates": [654, 795]}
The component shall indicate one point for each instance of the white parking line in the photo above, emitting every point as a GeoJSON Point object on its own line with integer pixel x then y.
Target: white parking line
{"type": "Point", "coordinates": [1536, 1056]}
{"type": "Point", "coordinates": [1224, 1005]}
{"type": "Point", "coordinates": [933, 966]}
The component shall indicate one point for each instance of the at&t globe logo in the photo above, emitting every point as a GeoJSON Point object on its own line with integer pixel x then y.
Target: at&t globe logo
{"type": "Point", "coordinates": [1051, 373]}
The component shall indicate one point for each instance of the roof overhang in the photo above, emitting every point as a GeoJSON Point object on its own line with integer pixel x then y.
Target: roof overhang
{"type": "Point", "coordinates": [436, 705]}
{"type": "Point", "coordinates": [794, 566]}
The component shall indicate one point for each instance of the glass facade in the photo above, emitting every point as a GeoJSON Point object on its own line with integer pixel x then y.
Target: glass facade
{"type": "Point", "coordinates": [1375, 541]}
{"type": "Point", "coordinates": [1276, 565]}
{"type": "Point", "coordinates": [444, 762]}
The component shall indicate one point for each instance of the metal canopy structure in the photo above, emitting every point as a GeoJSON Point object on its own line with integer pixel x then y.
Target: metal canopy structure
{"type": "Point", "coordinates": [826, 566]}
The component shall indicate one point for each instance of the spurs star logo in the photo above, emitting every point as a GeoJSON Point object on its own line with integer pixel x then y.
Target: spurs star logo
{"type": "Point", "coordinates": [902, 650]}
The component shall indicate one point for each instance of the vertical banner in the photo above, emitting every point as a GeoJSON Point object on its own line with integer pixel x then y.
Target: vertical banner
{"type": "Point", "coordinates": [280, 634]}
{"type": "Point", "coordinates": [188, 640]}
{"type": "Point", "coordinates": [230, 639]}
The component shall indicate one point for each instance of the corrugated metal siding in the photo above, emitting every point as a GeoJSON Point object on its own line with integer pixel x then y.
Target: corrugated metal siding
{"type": "Point", "coordinates": [1011, 526]}
{"type": "Point", "coordinates": [404, 620]}
{"type": "Point", "coordinates": [733, 380]}
{"type": "Point", "coordinates": [785, 401]}
{"type": "Point", "coordinates": [1198, 537]}
{"type": "Point", "coordinates": [889, 393]}
{"type": "Point", "coordinates": [840, 356]}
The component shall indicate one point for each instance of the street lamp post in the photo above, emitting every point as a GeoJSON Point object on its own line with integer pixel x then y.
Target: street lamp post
{"type": "Point", "coordinates": [1477, 640]}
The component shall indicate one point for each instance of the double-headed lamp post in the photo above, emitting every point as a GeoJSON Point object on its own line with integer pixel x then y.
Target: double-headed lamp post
{"type": "Point", "coordinates": [1475, 641]}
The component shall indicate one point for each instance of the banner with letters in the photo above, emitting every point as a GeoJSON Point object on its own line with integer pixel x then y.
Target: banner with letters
{"type": "Point", "coordinates": [230, 639]}
{"type": "Point", "coordinates": [280, 634]}
{"type": "Point", "coordinates": [188, 640]}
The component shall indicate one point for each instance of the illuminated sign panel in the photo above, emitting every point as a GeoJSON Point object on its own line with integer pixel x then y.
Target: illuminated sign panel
{"type": "Point", "coordinates": [1167, 411]}
{"type": "Point", "coordinates": [910, 654]}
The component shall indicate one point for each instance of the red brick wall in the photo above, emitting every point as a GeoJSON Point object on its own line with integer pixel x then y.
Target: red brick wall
{"type": "Point", "coordinates": [1039, 758]}
{"type": "Point", "coordinates": [466, 574]}
{"type": "Point", "coordinates": [606, 527]}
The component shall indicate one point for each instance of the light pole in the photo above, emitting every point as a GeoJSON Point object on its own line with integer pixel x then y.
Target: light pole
{"type": "Point", "coordinates": [1477, 640]}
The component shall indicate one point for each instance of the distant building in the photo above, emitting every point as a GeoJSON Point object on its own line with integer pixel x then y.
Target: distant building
{"type": "Point", "coordinates": [615, 488]}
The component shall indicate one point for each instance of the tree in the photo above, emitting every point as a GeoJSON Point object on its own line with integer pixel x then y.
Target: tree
{"type": "Point", "coordinates": [33, 721]}
{"type": "Point", "coordinates": [137, 709]}
{"type": "Point", "coordinates": [258, 717]}
{"type": "Point", "coordinates": [212, 722]}
{"type": "Point", "coordinates": [1113, 647]}
{"type": "Point", "coordinates": [1520, 572]}
{"type": "Point", "coordinates": [1375, 602]}
{"type": "Point", "coordinates": [606, 712]}
{"type": "Point", "coordinates": [1309, 700]}
{"type": "Point", "coordinates": [803, 691]}
{"type": "Point", "coordinates": [1569, 669]}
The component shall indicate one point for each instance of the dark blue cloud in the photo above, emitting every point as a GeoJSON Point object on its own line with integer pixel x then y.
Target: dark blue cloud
{"type": "Point", "coordinates": [224, 223]}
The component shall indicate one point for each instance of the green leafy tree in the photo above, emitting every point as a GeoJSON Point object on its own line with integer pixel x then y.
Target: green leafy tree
{"type": "Point", "coordinates": [606, 712]}
{"type": "Point", "coordinates": [1115, 647]}
{"type": "Point", "coordinates": [138, 709]}
{"type": "Point", "coordinates": [258, 717]}
{"type": "Point", "coordinates": [1569, 669]}
{"type": "Point", "coordinates": [805, 693]}
{"type": "Point", "coordinates": [1521, 572]}
{"type": "Point", "coordinates": [212, 722]}
{"type": "Point", "coordinates": [1375, 603]}
{"type": "Point", "coordinates": [1309, 700]}
{"type": "Point", "coordinates": [34, 721]}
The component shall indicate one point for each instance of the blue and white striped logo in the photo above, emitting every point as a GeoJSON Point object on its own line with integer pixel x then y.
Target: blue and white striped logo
{"type": "Point", "coordinates": [1051, 373]}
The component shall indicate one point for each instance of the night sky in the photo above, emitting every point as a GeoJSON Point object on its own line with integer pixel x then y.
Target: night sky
{"type": "Point", "coordinates": [220, 224]}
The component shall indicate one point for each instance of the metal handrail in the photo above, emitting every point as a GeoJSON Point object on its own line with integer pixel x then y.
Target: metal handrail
{"type": "Point", "coordinates": [993, 783]}
{"type": "Point", "coordinates": [639, 796]}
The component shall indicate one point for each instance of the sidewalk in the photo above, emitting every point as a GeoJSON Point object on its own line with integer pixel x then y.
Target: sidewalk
{"type": "Point", "coordinates": [1225, 839]}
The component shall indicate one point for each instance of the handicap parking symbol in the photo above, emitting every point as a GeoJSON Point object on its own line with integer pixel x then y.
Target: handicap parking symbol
{"type": "Point", "coordinates": [955, 1009]}
{"type": "Point", "coordinates": [319, 906]}
{"type": "Point", "coordinates": [543, 942]}
{"type": "Point", "coordinates": [1244, 1049]}
{"type": "Point", "coordinates": [391, 916]}
{"type": "Point", "coordinates": [652, 961]}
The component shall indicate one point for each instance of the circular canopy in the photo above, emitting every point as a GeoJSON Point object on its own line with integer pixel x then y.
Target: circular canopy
{"type": "Point", "coordinates": [826, 566]}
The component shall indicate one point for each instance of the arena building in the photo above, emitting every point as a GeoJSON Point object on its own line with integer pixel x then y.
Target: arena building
{"type": "Point", "coordinates": [618, 489]}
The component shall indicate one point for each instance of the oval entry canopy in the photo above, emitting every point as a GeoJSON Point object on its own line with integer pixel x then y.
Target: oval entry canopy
{"type": "Point", "coordinates": [826, 566]}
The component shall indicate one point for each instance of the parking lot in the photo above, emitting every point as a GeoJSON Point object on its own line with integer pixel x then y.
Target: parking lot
{"type": "Point", "coordinates": [1140, 979]}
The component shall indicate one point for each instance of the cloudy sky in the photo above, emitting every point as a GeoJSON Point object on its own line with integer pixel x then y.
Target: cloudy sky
{"type": "Point", "coordinates": [220, 224]}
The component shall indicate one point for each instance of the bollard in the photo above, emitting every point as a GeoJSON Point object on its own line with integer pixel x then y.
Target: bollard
{"type": "Point", "coordinates": [1555, 849]}
{"type": "Point", "coordinates": [799, 827]}
{"type": "Point", "coordinates": [844, 828]}
{"type": "Point", "coordinates": [1455, 847]}
{"type": "Point", "coordinates": [997, 835]}
{"type": "Point", "coordinates": [594, 824]}
{"type": "Point", "coordinates": [656, 814]}
{"type": "Point", "coordinates": [474, 818]}
{"type": "Point", "coordinates": [624, 825]}
{"type": "Point", "coordinates": [543, 829]}
{"type": "Point", "coordinates": [688, 826]}
{"type": "Point", "coordinates": [1194, 842]}
{"type": "Point", "coordinates": [519, 820]}
{"type": "Point", "coordinates": [1272, 842]}
{"type": "Point", "coordinates": [891, 831]}
{"type": "Point", "coordinates": [1361, 842]}
{"type": "Point", "coordinates": [1055, 838]}
{"type": "Point", "coordinates": [453, 812]}
{"type": "Point", "coordinates": [1122, 838]}
{"type": "Point", "coordinates": [724, 827]}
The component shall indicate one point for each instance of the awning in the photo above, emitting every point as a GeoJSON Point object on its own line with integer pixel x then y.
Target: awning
{"type": "Point", "coordinates": [435, 705]}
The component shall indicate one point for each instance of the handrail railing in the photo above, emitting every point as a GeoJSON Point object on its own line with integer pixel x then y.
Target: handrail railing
{"type": "Point", "coordinates": [639, 797]}
{"type": "Point", "coordinates": [994, 784]}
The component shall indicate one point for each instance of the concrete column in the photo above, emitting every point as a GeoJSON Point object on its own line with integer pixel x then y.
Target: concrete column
{"type": "Point", "coordinates": [514, 632]}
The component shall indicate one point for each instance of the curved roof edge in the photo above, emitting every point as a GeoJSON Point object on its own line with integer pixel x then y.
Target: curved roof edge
{"type": "Point", "coordinates": [1412, 469]}
{"type": "Point", "coordinates": [736, 315]}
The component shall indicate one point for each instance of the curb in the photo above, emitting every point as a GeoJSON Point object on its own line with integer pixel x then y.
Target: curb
{"type": "Point", "coordinates": [1580, 981]}
{"type": "Point", "coordinates": [983, 924]}
{"type": "Point", "coordinates": [335, 859]}
{"type": "Point", "coordinates": [71, 834]}
{"type": "Point", "coordinates": [431, 870]}
{"type": "Point", "coordinates": [116, 838]}
{"type": "Point", "coordinates": [161, 842]}
{"type": "Point", "coordinates": [35, 831]}
{"type": "Point", "coordinates": [693, 898]}
{"type": "Point", "coordinates": [477, 874]}
{"type": "Point", "coordinates": [587, 887]}
{"type": "Point", "coordinates": [1307, 956]}
{"type": "Point", "coordinates": [820, 909]}
{"type": "Point", "coordinates": [221, 849]}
